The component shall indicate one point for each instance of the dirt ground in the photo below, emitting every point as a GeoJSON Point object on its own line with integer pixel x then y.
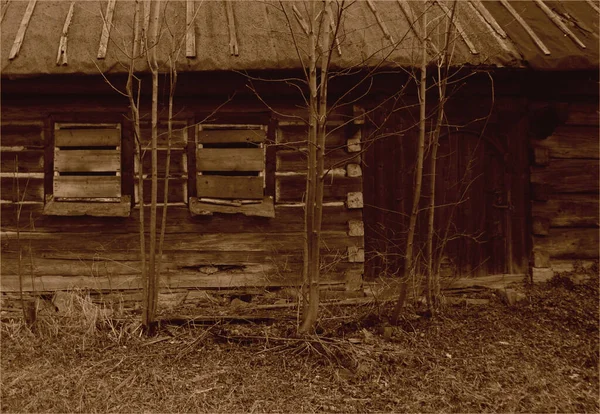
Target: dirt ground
{"type": "Point", "coordinates": [540, 355]}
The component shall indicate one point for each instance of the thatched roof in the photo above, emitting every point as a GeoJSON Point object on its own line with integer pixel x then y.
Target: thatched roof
{"type": "Point", "coordinates": [254, 35]}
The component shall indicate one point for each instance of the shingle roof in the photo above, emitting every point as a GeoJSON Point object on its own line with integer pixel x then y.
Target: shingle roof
{"type": "Point", "coordinates": [537, 34]}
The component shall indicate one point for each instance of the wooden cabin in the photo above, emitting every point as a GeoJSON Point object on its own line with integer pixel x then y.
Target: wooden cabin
{"type": "Point", "coordinates": [518, 188]}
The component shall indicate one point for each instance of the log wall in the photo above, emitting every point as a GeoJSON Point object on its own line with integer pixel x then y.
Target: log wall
{"type": "Point", "coordinates": [218, 251]}
{"type": "Point", "coordinates": [564, 181]}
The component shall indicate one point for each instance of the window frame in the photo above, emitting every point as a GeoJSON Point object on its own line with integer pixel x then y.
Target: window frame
{"type": "Point", "coordinates": [98, 206]}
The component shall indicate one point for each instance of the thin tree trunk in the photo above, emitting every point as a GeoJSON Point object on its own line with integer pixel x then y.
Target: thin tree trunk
{"type": "Point", "coordinates": [308, 314]}
{"type": "Point", "coordinates": [318, 125]}
{"type": "Point", "coordinates": [408, 274]}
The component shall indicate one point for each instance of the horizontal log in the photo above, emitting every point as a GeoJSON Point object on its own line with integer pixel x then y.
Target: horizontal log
{"type": "Point", "coordinates": [87, 160]}
{"type": "Point", "coordinates": [28, 189]}
{"type": "Point", "coordinates": [22, 161]}
{"type": "Point", "coordinates": [295, 160]}
{"type": "Point", "coordinates": [572, 142]}
{"type": "Point", "coordinates": [297, 135]}
{"type": "Point", "coordinates": [179, 135]}
{"type": "Point", "coordinates": [85, 242]}
{"type": "Point", "coordinates": [177, 167]}
{"type": "Point", "coordinates": [292, 188]}
{"type": "Point", "coordinates": [568, 176]}
{"type": "Point", "coordinates": [104, 209]}
{"type": "Point", "coordinates": [287, 219]}
{"type": "Point", "coordinates": [583, 114]}
{"type": "Point", "coordinates": [569, 243]}
{"type": "Point", "coordinates": [265, 208]}
{"type": "Point", "coordinates": [230, 187]}
{"type": "Point", "coordinates": [230, 159]}
{"type": "Point", "coordinates": [22, 135]}
{"type": "Point", "coordinates": [580, 211]}
{"type": "Point", "coordinates": [263, 275]}
{"type": "Point", "coordinates": [177, 190]}
{"type": "Point", "coordinates": [96, 137]}
{"type": "Point", "coordinates": [70, 186]}
{"type": "Point", "coordinates": [221, 136]}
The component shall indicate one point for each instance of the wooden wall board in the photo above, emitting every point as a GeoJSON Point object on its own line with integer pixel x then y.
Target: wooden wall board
{"type": "Point", "coordinates": [30, 189]}
{"type": "Point", "coordinates": [292, 188]}
{"type": "Point", "coordinates": [296, 136]}
{"type": "Point", "coordinates": [22, 161]}
{"type": "Point", "coordinates": [177, 166]}
{"type": "Point", "coordinates": [87, 186]}
{"type": "Point", "coordinates": [230, 159]}
{"type": "Point", "coordinates": [572, 142]}
{"type": "Point", "coordinates": [287, 219]}
{"type": "Point", "coordinates": [570, 243]}
{"type": "Point", "coordinates": [568, 175]}
{"type": "Point", "coordinates": [90, 160]}
{"type": "Point", "coordinates": [101, 137]}
{"type": "Point", "coordinates": [229, 187]}
{"type": "Point", "coordinates": [28, 135]}
{"type": "Point", "coordinates": [294, 160]}
{"type": "Point", "coordinates": [220, 136]}
{"type": "Point", "coordinates": [581, 210]}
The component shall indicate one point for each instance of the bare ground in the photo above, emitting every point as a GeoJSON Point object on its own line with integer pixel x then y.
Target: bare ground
{"type": "Point", "coordinates": [538, 356]}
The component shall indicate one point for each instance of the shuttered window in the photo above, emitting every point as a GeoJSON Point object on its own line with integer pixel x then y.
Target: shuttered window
{"type": "Point", "coordinates": [230, 163]}
{"type": "Point", "coordinates": [230, 174]}
{"type": "Point", "coordinates": [87, 171]}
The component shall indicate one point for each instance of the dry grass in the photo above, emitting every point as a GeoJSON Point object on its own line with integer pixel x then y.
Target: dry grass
{"type": "Point", "coordinates": [540, 356]}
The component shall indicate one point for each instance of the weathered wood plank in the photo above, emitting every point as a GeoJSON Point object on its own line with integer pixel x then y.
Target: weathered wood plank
{"type": "Point", "coordinates": [583, 114]}
{"type": "Point", "coordinates": [179, 135]}
{"type": "Point", "coordinates": [570, 243]}
{"type": "Point", "coordinates": [297, 135]}
{"type": "Point", "coordinates": [178, 162]}
{"type": "Point", "coordinates": [104, 209]}
{"type": "Point", "coordinates": [263, 209]}
{"type": "Point", "coordinates": [568, 176]}
{"type": "Point", "coordinates": [572, 142]}
{"type": "Point", "coordinates": [87, 186]}
{"type": "Point", "coordinates": [293, 160]}
{"type": "Point", "coordinates": [287, 219]}
{"type": "Point", "coordinates": [292, 188]}
{"type": "Point", "coordinates": [177, 190]}
{"type": "Point", "coordinates": [22, 135]}
{"type": "Point", "coordinates": [22, 161]}
{"type": "Point", "coordinates": [230, 159]}
{"type": "Point", "coordinates": [87, 160]}
{"type": "Point", "coordinates": [29, 189]}
{"type": "Point", "coordinates": [221, 136]}
{"type": "Point", "coordinates": [229, 187]}
{"type": "Point", "coordinates": [100, 137]}
{"type": "Point", "coordinates": [333, 241]}
{"type": "Point", "coordinates": [579, 211]}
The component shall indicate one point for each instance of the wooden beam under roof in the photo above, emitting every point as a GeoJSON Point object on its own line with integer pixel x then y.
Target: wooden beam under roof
{"type": "Point", "coordinates": [233, 44]}
{"type": "Point", "coordinates": [525, 26]}
{"type": "Point", "coordinates": [556, 20]}
{"type": "Point", "coordinates": [107, 25]}
{"type": "Point", "coordinates": [190, 29]}
{"type": "Point", "coordinates": [458, 26]}
{"type": "Point", "coordinates": [22, 29]}
{"type": "Point", "coordinates": [61, 58]}
{"type": "Point", "coordinates": [380, 22]}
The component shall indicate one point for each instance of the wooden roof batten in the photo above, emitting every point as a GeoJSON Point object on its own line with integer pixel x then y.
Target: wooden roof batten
{"type": "Point", "coordinates": [380, 22]}
{"type": "Point", "coordinates": [458, 26]}
{"type": "Point", "coordinates": [593, 5]}
{"type": "Point", "coordinates": [22, 29]}
{"type": "Point", "coordinates": [556, 20]}
{"type": "Point", "coordinates": [233, 43]}
{"type": "Point", "coordinates": [61, 57]}
{"type": "Point", "coordinates": [106, 26]}
{"type": "Point", "coordinates": [488, 18]}
{"type": "Point", "coordinates": [190, 29]}
{"type": "Point", "coordinates": [300, 19]}
{"type": "Point", "coordinates": [525, 26]}
{"type": "Point", "coordinates": [333, 29]}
